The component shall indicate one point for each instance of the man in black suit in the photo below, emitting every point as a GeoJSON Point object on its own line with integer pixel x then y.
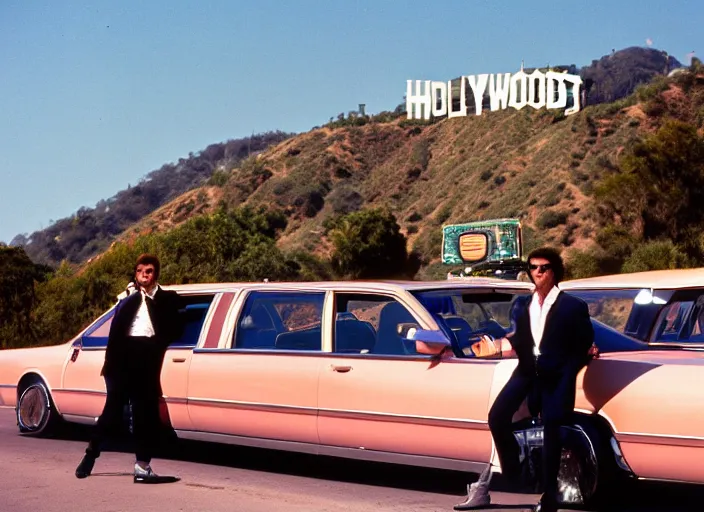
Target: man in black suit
{"type": "Point", "coordinates": [553, 338]}
{"type": "Point", "coordinates": [145, 322]}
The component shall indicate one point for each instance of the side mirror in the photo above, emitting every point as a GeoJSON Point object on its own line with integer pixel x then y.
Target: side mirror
{"type": "Point", "coordinates": [428, 342]}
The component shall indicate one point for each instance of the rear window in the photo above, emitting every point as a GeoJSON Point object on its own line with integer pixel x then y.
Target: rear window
{"type": "Point", "coordinates": [610, 307]}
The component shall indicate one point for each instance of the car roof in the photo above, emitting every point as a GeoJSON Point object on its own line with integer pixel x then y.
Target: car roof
{"type": "Point", "coordinates": [369, 285]}
{"type": "Point", "coordinates": [655, 279]}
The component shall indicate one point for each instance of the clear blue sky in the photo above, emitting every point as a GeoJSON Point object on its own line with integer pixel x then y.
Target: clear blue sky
{"type": "Point", "coordinates": [94, 95]}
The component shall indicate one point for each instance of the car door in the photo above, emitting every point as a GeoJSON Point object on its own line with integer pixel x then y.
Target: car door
{"type": "Point", "coordinates": [197, 312]}
{"type": "Point", "coordinates": [377, 393]}
{"type": "Point", "coordinates": [262, 380]}
{"type": "Point", "coordinates": [81, 396]}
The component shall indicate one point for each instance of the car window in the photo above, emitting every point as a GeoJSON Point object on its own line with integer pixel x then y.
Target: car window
{"type": "Point", "coordinates": [96, 336]}
{"type": "Point", "coordinates": [280, 321]}
{"type": "Point", "coordinates": [465, 314]}
{"type": "Point", "coordinates": [371, 324]}
{"type": "Point", "coordinates": [610, 307]}
{"type": "Point", "coordinates": [193, 311]}
{"type": "Point", "coordinates": [679, 321]}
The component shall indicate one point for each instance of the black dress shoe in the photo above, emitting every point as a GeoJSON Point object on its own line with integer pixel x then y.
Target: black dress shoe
{"type": "Point", "coordinates": [147, 476]}
{"type": "Point", "coordinates": [156, 479]}
{"type": "Point", "coordinates": [85, 466]}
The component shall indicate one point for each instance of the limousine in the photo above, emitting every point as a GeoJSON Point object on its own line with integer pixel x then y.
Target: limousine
{"type": "Point", "coordinates": [379, 371]}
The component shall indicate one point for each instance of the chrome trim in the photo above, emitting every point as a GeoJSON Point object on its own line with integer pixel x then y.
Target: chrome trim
{"type": "Point", "coordinates": [8, 386]}
{"type": "Point", "coordinates": [320, 353]}
{"type": "Point", "coordinates": [91, 349]}
{"type": "Point", "coordinates": [253, 406]}
{"type": "Point", "coordinates": [77, 418]}
{"type": "Point", "coordinates": [348, 414]}
{"type": "Point", "coordinates": [75, 390]}
{"type": "Point", "coordinates": [406, 418]}
{"type": "Point", "coordinates": [662, 439]}
{"type": "Point", "coordinates": [669, 480]}
{"type": "Point", "coordinates": [336, 451]}
{"type": "Point", "coordinates": [175, 400]}
{"type": "Point", "coordinates": [260, 351]}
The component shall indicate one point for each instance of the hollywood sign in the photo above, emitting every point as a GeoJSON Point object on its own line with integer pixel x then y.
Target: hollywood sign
{"type": "Point", "coordinates": [536, 90]}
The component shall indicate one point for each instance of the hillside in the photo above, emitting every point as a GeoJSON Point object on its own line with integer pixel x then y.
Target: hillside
{"type": "Point", "coordinates": [615, 76]}
{"type": "Point", "coordinates": [535, 165]}
{"type": "Point", "coordinates": [89, 231]}
{"type": "Point", "coordinates": [145, 206]}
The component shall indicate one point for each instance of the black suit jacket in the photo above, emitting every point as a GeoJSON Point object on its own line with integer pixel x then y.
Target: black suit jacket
{"type": "Point", "coordinates": [163, 311]}
{"type": "Point", "coordinates": [567, 338]}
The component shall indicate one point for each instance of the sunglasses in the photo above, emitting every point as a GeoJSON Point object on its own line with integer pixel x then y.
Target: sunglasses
{"type": "Point", "coordinates": [543, 268]}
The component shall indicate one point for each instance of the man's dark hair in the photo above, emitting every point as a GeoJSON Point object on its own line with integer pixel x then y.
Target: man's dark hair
{"type": "Point", "coordinates": [553, 256]}
{"type": "Point", "coordinates": [149, 259]}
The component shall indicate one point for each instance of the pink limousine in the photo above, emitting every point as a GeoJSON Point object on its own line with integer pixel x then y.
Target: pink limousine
{"type": "Point", "coordinates": [380, 371]}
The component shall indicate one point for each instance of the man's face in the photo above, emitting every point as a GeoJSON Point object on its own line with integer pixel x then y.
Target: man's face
{"type": "Point", "coordinates": [145, 276]}
{"type": "Point", "coordinates": [542, 273]}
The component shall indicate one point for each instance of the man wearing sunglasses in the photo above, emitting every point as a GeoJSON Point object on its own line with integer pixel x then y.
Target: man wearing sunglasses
{"type": "Point", "coordinates": [552, 339]}
{"type": "Point", "coordinates": [145, 322]}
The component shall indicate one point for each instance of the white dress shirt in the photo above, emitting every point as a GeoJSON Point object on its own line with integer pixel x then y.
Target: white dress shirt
{"type": "Point", "coordinates": [142, 323]}
{"type": "Point", "coordinates": [538, 314]}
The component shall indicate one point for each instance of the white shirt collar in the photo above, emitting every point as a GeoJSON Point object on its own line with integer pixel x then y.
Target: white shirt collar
{"type": "Point", "coordinates": [550, 298]}
{"type": "Point", "coordinates": [150, 295]}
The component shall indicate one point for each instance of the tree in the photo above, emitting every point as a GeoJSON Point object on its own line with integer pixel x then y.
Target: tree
{"type": "Point", "coordinates": [660, 187]}
{"type": "Point", "coordinates": [369, 245]}
{"type": "Point", "coordinates": [17, 298]}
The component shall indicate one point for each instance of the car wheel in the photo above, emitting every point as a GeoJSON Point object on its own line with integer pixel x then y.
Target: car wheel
{"type": "Point", "coordinates": [588, 469]}
{"type": "Point", "coordinates": [36, 414]}
{"type": "Point", "coordinates": [578, 479]}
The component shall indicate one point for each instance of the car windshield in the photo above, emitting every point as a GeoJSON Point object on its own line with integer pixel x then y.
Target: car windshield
{"type": "Point", "coordinates": [465, 314]}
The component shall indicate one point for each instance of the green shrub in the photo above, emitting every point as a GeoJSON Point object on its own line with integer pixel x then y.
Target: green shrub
{"type": "Point", "coordinates": [369, 245]}
{"type": "Point", "coordinates": [550, 219]}
{"type": "Point", "coordinates": [581, 264]}
{"type": "Point", "coordinates": [219, 178]}
{"type": "Point", "coordinates": [655, 255]}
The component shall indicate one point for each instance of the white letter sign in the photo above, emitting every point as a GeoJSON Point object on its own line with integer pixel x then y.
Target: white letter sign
{"type": "Point", "coordinates": [536, 90]}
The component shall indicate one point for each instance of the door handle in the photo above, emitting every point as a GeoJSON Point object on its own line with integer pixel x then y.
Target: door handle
{"type": "Point", "coordinates": [178, 359]}
{"type": "Point", "coordinates": [340, 369]}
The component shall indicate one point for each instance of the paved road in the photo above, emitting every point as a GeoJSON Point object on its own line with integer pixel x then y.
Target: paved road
{"type": "Point", "coordinates": [37, 475]}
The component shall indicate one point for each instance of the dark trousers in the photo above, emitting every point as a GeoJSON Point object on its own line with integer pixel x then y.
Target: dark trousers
{"type": "Point", "coordinates": [555, 397]}
{"type": "Point", "coordinates": [138, 384]}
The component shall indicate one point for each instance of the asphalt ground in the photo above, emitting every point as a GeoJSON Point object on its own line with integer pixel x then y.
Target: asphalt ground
{"type": "Point", "coordinates": [37, 474]}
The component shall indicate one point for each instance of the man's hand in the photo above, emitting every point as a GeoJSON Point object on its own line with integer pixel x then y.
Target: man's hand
{"type": "Point", "coordinates": [487, 346]}
{"type": "Point", "coordinates": [131, 288]}
{"type": "Point", "coordinates": [593, 352]}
